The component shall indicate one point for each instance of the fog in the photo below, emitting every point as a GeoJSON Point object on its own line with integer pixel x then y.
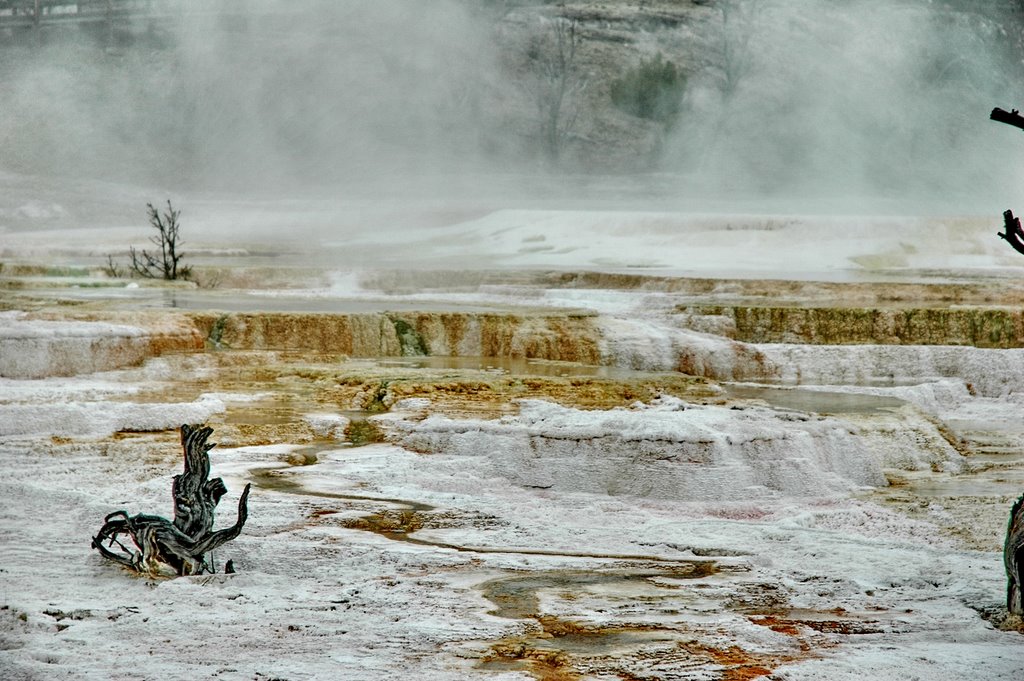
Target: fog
{"type": "Point", "coordinates": [865, 104]}
{"type": "Point", "coordinates": [279, 94]}
{"type": "Point", "coordinates": [874, 100]}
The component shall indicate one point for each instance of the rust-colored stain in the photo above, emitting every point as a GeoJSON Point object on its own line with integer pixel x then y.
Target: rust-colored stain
{"type": "Point", "coordinates": [782, 626]}
{"type": "Point", "coordinates": [552, 336]}
{"type": "Point", "coordinates": [546, 662]}
{"type": "Point", "coordinates": [739, 664]}
{"type": "Point", "coordinates": [833, 621]}
{"type": "Point", "coordinates": [557, 627]}
{"type": "Point", "coordinates": [542, 664]}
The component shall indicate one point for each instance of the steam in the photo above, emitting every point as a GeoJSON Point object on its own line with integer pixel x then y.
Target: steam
{"type": "Point", "coordinates": [327, 93]}
{"type": "Point", "coordinates": [876, 102]}
{"type": "Point", "coordinates": [881, 101]}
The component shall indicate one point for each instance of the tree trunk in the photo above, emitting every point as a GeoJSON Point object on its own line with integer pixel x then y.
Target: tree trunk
{"type": "Point", "coordinates": [1009, 117]}
{"type": "Point", "coordinates": [1013, 559]}
{"type": "Point", "coordinates": [1012, 232]}
{"type": "Point", "coordinates": [183, 543]}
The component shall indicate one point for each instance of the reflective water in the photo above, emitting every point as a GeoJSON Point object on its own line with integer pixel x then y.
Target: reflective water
{"type": "Point", "coordinates": [234, 301]}
{"type": "Point", "coordinates": [996, 482]}
{"type": "Point", "coordinates": [815, 401]}
{"type": "Point", "coordinates": [514, 366]}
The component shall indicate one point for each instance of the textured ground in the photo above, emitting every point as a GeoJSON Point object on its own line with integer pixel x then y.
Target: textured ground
{"type": "Point", "coordinates": [628, 488]}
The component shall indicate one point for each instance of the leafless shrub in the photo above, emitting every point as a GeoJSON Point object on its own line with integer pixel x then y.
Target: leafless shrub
{"type": "Point", "coordinates": [112, 269]}
{"type": "Point", "coordinates": [740, 20]}
{"type": "Point", "coordinates": [208, 277]}
{"type": "Point", "coordinates": [164, 264]}
{"type": "Point", "coordinates": [557, 81]}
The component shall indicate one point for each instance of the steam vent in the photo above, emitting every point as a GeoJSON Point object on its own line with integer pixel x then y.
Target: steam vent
{"type": "Point", "coordinates": [511, 340]}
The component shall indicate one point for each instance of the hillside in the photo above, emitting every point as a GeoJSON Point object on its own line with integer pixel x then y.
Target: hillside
{"type": "Point", "coordinates": [797, 98]}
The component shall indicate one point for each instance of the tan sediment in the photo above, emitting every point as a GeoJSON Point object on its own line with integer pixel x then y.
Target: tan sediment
{"type": "Point", "coordinates": [562, 337]}
{"type": "Point", "coordinates": [93, 345]}
{"type": "Point", "coordinates": [470, 395]}
{"type": "Point", "coordinates": [983, 327]}
{"type": "Point", "coordinates": [745, 291]}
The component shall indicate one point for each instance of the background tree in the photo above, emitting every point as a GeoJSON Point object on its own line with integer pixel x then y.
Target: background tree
{"type": "Point", "coordinates": [557, 81]}
{"type": "Point", "coordinates": [740, 19]}
{"type": "Point", "coordinates": [166, 263]}
{"type": "Point", "coordinates": [652, 90]}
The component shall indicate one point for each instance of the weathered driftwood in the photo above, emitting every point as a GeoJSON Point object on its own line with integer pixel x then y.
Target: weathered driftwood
{"type": "Point", "coordinates": [196, 497]}
{"type": "Point", "coordinates": [1012, 232]}
{"type": "Point", "coordinates": [183, 543]}
{"type": "Point", "coordinates": [1013, 559]}
{"type": "Point", "coordinates": [1009, 117]}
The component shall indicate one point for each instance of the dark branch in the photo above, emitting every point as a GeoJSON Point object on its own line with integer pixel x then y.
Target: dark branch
{"type": "Point", "coordinates": [166, 263]}
{"type": "Point", "coordinates": [1013, 234]}
{"type": "Point", "coordinates": [183, 543]}
{"type": "Point", "coordinates": [1009, 117]}
{"type": "Point", "coordinates": [1013, 559]}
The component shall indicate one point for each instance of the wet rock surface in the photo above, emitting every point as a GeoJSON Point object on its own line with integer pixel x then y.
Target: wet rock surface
{"type": "Point", "coordinates": [483, 517]}
{"type": "Point", "coordinates": [975, 326]}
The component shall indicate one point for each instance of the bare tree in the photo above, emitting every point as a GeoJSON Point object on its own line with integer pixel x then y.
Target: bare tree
{"type": "Point", "coordinates": [112, 269]}
{"type": "Point", "coordinates": [557, 81]}
{"type": "Point", "coordinates": [739, 22]}
{"type": "Point", "coordinates": [165, 264]}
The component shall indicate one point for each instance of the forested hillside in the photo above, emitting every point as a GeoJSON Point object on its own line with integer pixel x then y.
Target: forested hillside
{"type": "Point", "coordinates": [812, 96]}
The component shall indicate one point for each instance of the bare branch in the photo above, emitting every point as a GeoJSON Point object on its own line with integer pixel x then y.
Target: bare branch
{"type": "Point", "coordinates": [112, 269]}
{"type": "Point", "coordinates": [557, 81]}
{"type": "Point", "coordinates": [181, 544]}
{"type": "Point", "coordinates": [166, 265]}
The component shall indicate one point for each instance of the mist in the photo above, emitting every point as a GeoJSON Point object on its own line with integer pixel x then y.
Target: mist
{"type": "Point", "coordinates": [278, 94]}
{"type": "Point", "coordinates": [865, 100]}
{"type": "Point", "coordinates": [866, 104]}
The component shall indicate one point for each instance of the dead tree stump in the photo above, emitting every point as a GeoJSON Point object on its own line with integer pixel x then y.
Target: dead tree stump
{"type": "Point", "coordinates": [1012, 117]}
{"type": "Point", "coordinates": [1012, 232]}
{"type": "Point", "coordinates": [1013, 559]}
{"type": "Point", "coordinates": [182, 544]}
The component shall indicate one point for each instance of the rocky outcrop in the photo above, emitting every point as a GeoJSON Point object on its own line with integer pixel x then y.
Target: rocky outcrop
{"type": "Point", "coordinates": [987, 372]}
{"type": "Point", "coordinates": [39, 346]}
{"type": "Point", "coordinates": [562, 337]}
{"type": "Point", "coordinates": [669, 449]}
{"type": "Point", "coordinates": [614, 37]}
{"type": "Point", "coordinates": [977, 326]}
